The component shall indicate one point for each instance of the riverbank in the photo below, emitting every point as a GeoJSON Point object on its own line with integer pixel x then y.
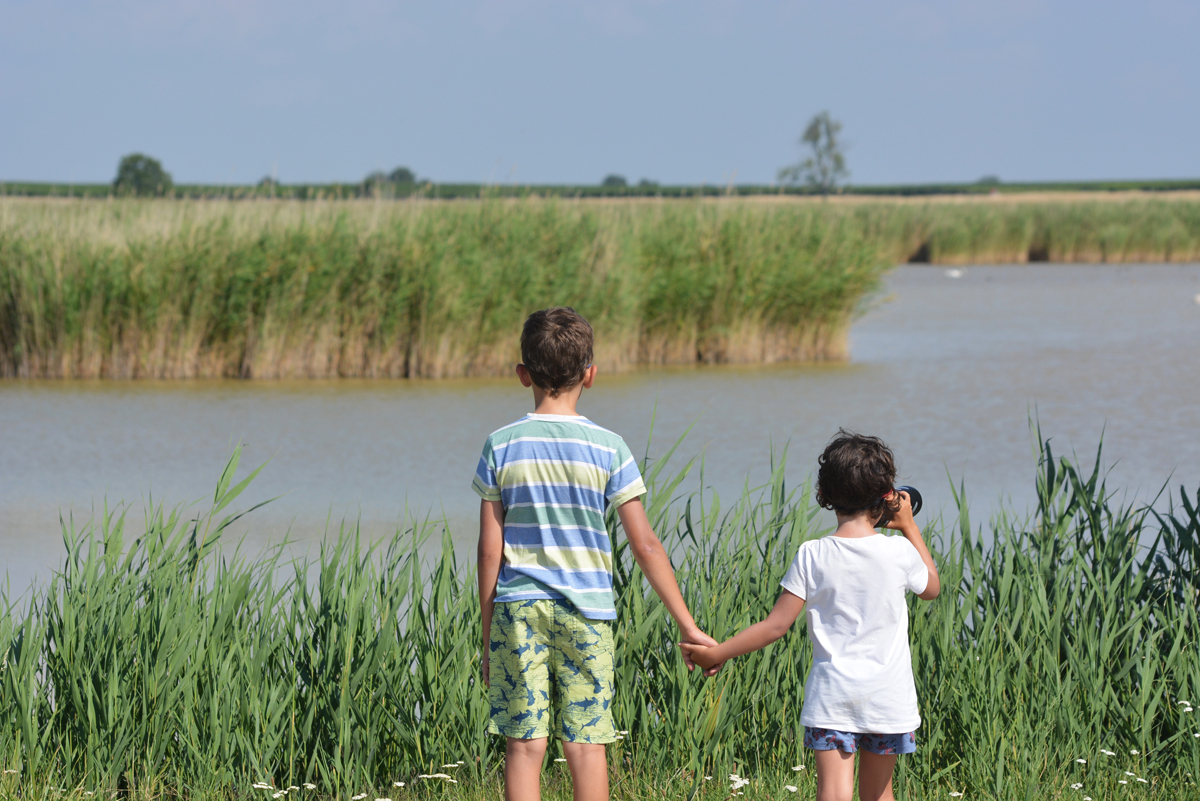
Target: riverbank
{"type": "Point", "coordinates": [418, 289]}
{"type": "Point", "coordinates": [1064, 649]}
{"type": "Point", "coordinates": [272, 290]}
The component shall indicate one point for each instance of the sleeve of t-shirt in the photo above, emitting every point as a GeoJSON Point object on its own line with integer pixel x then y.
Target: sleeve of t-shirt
{"type": "Point", "coordinates": [795, 580]}
{"type": "Point", "coordinates": [485, 484]}
{"type": "Point", "coordinates": [624, 478]}
{"type": "Point", "coordinates": [916, 573]}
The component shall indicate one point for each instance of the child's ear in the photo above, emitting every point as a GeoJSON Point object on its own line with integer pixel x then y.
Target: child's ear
{"type": "Point", "coordinates": [523, 374]}
{"type": "Point", "coordinates": [589, 376]}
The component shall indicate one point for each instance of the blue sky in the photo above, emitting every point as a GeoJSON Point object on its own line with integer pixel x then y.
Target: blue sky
{"type": "Point", "coordinates": [544, 91]}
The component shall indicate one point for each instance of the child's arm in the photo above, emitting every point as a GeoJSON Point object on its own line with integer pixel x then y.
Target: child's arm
{"type": "Point", "coordinates": [653, 560]}
{"type": "Point", "coordinates": [787, 608]}
{"type": "Point", "coordinates": [903, 522]}
{"type": "Point", "coordinates": [491, 550]}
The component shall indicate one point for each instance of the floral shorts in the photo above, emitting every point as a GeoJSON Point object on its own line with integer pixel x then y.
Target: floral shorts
{"type": "Point", "coordinates": [851, 741]}
{"type": "Point", "coordinates": [551, 672]}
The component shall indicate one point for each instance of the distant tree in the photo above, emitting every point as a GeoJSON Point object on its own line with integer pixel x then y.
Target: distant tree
{"type": "Point", "coordinates": [989, 180]}
{"type": "Point", "coordinates": [827, 164]}
{"type": "Point", "coordinates": [268, 182]}
{"type": "Point", "coordinates": [138, 174]}
{"type": "Point", "coordinates": [402, 175]}
{"type": "Point", "coordinates": [376, 177]}
{"type": "Point", "coordinates": [614, 181]}
{"type": "Point", "coordinates": [646, 183]}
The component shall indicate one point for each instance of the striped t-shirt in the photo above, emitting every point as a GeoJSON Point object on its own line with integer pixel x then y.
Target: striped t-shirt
{"type": "Point", "coordinates": [555, 475]}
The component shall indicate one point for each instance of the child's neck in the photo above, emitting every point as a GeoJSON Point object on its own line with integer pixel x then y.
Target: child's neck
{"type": "Point", "coordinates": [854, 526]}
{"type": "Point", "coordinates": [564, 403]}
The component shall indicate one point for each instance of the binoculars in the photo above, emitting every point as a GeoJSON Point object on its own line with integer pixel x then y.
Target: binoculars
{"type": "Point", "coordinates": [914, 498]}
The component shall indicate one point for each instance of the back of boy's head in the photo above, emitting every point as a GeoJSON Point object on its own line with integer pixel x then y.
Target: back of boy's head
{"type": "Point", "coordinates": [556, 347]}
{"type": "Point", "coordinates": [855, 473]}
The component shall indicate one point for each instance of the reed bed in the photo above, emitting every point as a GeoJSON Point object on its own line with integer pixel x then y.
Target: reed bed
{"type": "Point", "coordinates": [1064, 650]}
{"type": "Point", "coordinates": [131, 289]}
{"type": "Point", "coordinates": [262, 289]}
{"type": "Point", "coordinates": [1007, 231]}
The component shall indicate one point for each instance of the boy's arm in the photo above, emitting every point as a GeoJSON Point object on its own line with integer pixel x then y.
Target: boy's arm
{"type": "Point", "coordinates": [904, 523]}
{"type": "Point", "coordinates": [491, 550]}
{"type": "Point", "coordinates": [653, 560]}
{"type": "Point", "coordinates": [787, 608]}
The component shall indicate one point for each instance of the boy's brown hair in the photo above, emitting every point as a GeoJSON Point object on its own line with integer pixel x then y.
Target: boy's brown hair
{"type": "Point", "coordinates": [556, 347]}
{"type": "Point", "coordinates": [855, 473]}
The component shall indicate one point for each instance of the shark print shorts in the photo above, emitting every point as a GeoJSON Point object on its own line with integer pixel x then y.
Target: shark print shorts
{"type": "Point", "coordinates": [550, 670]}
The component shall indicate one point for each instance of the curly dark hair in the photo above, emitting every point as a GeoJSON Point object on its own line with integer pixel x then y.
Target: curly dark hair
{"type": "Point", "coordinates": [556, 347]}
{"type": "Point", "coordinates": [855, 474]}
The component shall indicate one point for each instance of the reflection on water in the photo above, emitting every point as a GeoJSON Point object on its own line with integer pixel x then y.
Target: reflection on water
{"type": "Point", "coordinates": [946, 369]}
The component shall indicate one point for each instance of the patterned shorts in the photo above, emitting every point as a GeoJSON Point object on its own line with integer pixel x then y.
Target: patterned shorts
{"type": "Point", "coordinates": [551, 669]}
{"type": "Point", "coordinates": [851, 741]}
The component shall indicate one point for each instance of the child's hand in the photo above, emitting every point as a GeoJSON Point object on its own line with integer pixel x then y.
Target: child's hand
{"type": "Point", "coordinates": [701, 655]}
{"type": "Point", "coordinates": [487, 679]}
{"type": "Point", "coordinates": [697, 638]}
{"type": "Point", "coordinates": [903, 518]}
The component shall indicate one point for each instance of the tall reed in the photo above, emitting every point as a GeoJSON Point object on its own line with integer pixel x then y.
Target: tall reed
{"type": "Point", "coordinates": [164, 289]}
{"type": "Point", "coordinates": [162, 664]}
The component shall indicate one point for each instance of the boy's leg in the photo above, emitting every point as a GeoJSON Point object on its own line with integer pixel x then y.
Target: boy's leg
{"type": "Point", "coordinates": [589, 770]}
{"type": "Point", "coordinates": [523, 769]}
{"type": "Point", "coordinates": [875, 776]}
{"type": "Point", "coordinates": [835, 775]}
{"type": "Point", "coordinates": [583, 673]}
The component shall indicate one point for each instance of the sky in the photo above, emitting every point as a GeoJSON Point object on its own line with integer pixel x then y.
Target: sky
{"type": "Point", "coordinates": [561, 91]}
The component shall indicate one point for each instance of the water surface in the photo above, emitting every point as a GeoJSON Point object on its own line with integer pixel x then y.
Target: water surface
{"type": "Point", "coordinates": [947, 369]}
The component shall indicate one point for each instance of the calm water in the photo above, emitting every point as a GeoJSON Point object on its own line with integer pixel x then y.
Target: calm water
{"type": "Point", "coordinates": [947, 369]}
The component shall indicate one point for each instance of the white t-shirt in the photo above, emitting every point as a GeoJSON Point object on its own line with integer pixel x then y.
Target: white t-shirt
{"type": "Point", "coordinates": [853, 589]}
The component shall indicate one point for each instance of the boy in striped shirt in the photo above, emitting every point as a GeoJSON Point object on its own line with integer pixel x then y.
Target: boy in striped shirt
{"type": "Point", "coordinates": [545, 565]}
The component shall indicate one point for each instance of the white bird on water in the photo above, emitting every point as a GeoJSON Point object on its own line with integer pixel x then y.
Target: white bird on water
{"type": "Point", "coordinates": [959, 274]}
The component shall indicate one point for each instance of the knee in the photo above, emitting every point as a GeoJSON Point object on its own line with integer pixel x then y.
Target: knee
{"type": "Point", "coordinates": [527, 749]}
{"type": "Point", "coordinates": [575, 751]}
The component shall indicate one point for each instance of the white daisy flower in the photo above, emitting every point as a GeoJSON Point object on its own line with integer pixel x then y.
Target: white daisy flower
{"type": "Point", "coordinates": [791, 788]}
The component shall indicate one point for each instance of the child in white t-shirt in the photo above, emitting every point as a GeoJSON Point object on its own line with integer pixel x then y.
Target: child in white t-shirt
{"type": "Point", "coordinates": [859, 695]}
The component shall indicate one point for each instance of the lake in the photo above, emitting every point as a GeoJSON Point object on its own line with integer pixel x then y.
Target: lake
{"type": "Point", "coordinates": [948, 366]}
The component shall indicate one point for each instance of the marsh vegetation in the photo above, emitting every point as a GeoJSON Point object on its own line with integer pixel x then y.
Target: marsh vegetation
{"type": "Point", "coordinates": [175, 289]}
{"type": "Point", "coordinates": [1064, 650]}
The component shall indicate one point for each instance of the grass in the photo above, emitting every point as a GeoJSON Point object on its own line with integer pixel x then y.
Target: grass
{"type": "Point", "coordinates": [162, 289]}
{"type": "Point", "coordinates": [162, 665]}
{"type": "Point", "coordinates": [133, 289]}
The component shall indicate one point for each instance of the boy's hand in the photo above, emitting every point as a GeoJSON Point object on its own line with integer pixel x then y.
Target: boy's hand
{"type": "Point", "coordinates": [695, 638]}
{"type": "Point", "coordinates": [487, 678]}
{"type": "Point", "coordinates": [695, 654]}
{"type": "Point", "coordinates": [903, 518]}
